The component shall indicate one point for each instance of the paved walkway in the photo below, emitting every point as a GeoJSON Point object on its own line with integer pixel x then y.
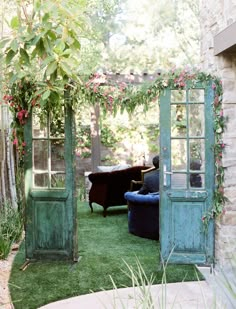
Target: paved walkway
{"type": "Point", "coordinates": [184, 295]}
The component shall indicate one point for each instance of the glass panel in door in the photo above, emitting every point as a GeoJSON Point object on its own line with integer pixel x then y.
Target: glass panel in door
{"type": "Point", "coordinates": [187, 139]}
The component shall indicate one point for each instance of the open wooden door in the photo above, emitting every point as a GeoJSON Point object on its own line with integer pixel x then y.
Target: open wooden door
{"type": "Point", "coordinates": [186, 174]}
{"type": "Point", "coordinates": [51, 210]}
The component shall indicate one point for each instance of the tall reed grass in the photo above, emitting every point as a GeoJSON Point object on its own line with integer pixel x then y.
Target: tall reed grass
{"type": "Point", "coordinates": [11, 227]}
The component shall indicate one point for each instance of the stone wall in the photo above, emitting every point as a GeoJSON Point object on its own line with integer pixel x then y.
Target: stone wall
{"type": "Point", "coordinates": [216, 15]}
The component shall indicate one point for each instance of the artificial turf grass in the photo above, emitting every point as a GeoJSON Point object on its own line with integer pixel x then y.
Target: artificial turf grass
{"type": "Point", "coordinates": [104, 247]}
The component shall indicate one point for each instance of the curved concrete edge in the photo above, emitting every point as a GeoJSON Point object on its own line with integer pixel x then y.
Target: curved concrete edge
{"type": "Point", "coordinates": [187, 295]}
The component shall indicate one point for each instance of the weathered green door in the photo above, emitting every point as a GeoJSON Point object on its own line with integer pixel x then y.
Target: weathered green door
{"type": "Point", "coordinates": [51, 219]}
{"type": "Point", "coordinates": [187, 174]}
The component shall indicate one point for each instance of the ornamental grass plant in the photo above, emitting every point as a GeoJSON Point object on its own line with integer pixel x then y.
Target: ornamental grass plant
{"type": "Point", "coordinates": [11, 226]}
{"type": "Point", "coordinates": [104, 244]}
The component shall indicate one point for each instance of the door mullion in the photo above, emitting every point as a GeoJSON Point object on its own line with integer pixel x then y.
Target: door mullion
{"type": "Point", "coordinates": [49, 152]}
{"type": "Point", "coordinates": [187, 137]}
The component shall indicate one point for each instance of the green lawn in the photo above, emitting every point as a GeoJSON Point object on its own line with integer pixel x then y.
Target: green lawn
{"type": "Point", "coordinates": [104, 247]}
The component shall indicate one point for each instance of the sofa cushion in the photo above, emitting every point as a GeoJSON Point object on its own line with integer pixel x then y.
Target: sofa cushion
{"type": "Point", "coordinates": [111, 168]}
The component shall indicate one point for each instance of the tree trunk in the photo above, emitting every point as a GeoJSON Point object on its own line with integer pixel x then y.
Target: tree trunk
{"type": "Point", "coordinates": [95, 138]}
{"type": "Point", "coordinates": [2, 158]}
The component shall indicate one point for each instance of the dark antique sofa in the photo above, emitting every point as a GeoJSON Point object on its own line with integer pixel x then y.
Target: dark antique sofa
{"type": "Point", "coordinates": [108, 188]}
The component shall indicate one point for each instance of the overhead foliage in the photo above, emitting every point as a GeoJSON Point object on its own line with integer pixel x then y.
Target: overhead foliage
{"type": "Point", "coordinates": [160, 34]}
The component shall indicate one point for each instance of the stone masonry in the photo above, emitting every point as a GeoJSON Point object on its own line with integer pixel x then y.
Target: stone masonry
{"type": "Point", "coordinates": [216, 15]}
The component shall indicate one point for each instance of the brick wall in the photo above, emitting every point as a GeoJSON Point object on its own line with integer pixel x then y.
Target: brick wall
{"type": "Point", "coordinates": [216, 15]}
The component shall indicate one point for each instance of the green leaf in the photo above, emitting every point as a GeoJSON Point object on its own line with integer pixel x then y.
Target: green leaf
{"type": "Point", "coordinates": [10, 55]}
{"type": "Point", "coordinates": [37, 5]}
{"type": "Point", "coordinates": [36, 39]}
{"type": "Point", "coordinates": [46, 95]}
{"type": "Point", "coordinates": [13, 78]}
{"type": "Point", "coordinates": [3, 42]}
{"type": "Point", "coordinates": [47, 46]}
{"type": "Point", "coordinates": [51, 68]}
{"type": "Point", "coordinates": [52, 35]}
{"type": "Point", "coordinates": [14, 45]}
{"type": "Point", "coordinates": [46, 61]}
{"type": "Point", "coordinates": [53, 77]}
{"type": "Point", "coordinates": [67, 53]}
{"type": "Point", "coordinates": [40, 50]}
{"type": "Point", "coordinates": [55, 96]}
{"type": "Point", "coordinates": [14, 23]}
{"type": "Point", "coordinates": [34, 53]}
{"type": "Point", "coordinates": [30, 37]}
{"type": "Point", "coordinates": [40, 91]}
{"type": "Point", "coordinates": [24, 56]}
{"type": "Point", "coordinates": [76, 44]}
{"type": "Point", "coordinates": [60, 46]}
{"type": "Point", "coordinates": [66, 68]}
{"type": "Point", "coordinates": [46, 17]}
{"type": "Point", "coordinates": [21, 75]}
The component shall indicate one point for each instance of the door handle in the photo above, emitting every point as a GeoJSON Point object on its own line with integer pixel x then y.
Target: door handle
{"type": "Point", "coordinates": [165, 172]}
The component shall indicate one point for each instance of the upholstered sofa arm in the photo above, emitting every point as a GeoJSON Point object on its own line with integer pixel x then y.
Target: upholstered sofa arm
{"type": "Point", "coordinates": [99, 177]}
{"type": "Point", "coordinates": [134, 197]}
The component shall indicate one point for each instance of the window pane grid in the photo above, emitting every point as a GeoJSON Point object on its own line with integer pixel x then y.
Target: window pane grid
{"type": "Point", "coordinates": [188, 147]}
{"type": "Point", "coordinates": [48, 173]}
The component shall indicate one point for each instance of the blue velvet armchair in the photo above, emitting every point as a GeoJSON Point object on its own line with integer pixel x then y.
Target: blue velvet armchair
{"type": "Point", "coordinates": [143, 214]}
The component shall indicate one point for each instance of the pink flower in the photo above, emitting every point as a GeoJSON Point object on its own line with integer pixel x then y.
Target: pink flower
{"type": "Point", "coordinates": [203, 218]}
{"type": "Point", "coordinates": [15, 142]}
{"type": "Point", "coordinates": [23, 144]}
{"type": "Point", "coordinates": [8, 97]}
{"type": "Point", "coordinates": [95, 88]}
{"type": "Point", "coordinates": [110, 99]}
{"type": "Point", "coordinates": [122, 86]}
{"type": "Point", "coordinates": [213, 86]}
{"type": "Point", "coordinates": [21, 115]}
{"type": "Point", "coordinates": [221, 190]}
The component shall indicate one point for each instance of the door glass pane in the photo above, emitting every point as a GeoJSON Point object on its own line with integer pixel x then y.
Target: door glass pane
{"type": "Point", "coordinates": [178, 120]}
{"type": "Point", "coordinates": [179, 181]}
{"type": "Point", "coordinates": [39, 125]}
{"type": "Point", "coordinates": [179, 155]}
{"type": "Point", "coordinates": [57, 125]}
{"type": "Point", "coordinates": [40, 157]}
{"type": "Point", "coordinates": [196, 120]}
{"type": "Point", "coordinates": [178, 96]}
{"type": "Point", "coordinates": [57, 155]}
{"type": "Point", "coordinates": [58, 181]}
{"type": "Point", "coordinates": [197, 154]}
{"type": "Point", "coordinates": [41, 180]}
{"type": "Point", "coordinates": [196, 95]}
{"type": "Point", "coordinates": [197, 180]}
